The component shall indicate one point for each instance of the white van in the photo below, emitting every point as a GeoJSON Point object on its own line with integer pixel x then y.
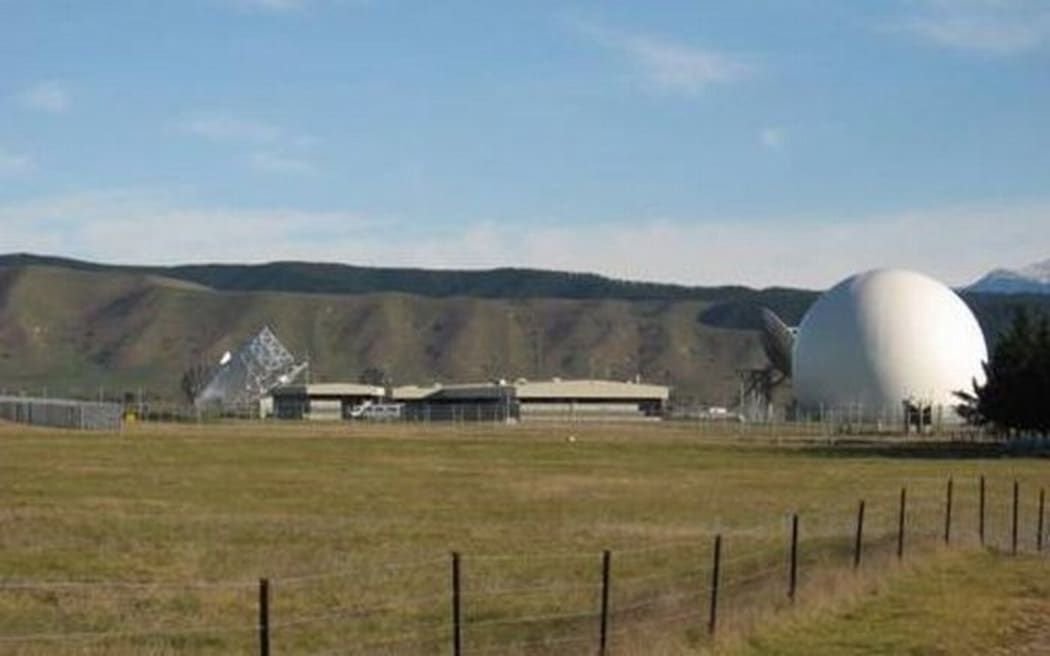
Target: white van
{"type": "Point", "coordinates": [376, 411]}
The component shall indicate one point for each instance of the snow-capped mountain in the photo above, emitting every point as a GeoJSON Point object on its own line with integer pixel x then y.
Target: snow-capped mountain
{"type": "Point", "coordinates": [1032, 279]}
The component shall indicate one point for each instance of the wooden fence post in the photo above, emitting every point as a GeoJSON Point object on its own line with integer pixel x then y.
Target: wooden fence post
{"type": "Point", "coordinates": [900, 523]}
{"type": "Point", "coordinates": [948, 514]}
{"type": "Point", "coordinates": [980, 512]}
{"type": "Point", "coordinates": [457, 633]}
{"type": "Point", "coordinates": [859, 542]}
{"type": "Point", "coordinates": [1013, 524]}
{"type": "Point", "coordinates": [1039, 522]}
{"type": "Point", "coordinates": [793, 573]}
{"type": "Point", "coordinates": [712, 619]}
{"type": "Point", "coordinates": [603, 638]}
{"type": "Point", "coordinates": [264, 617]}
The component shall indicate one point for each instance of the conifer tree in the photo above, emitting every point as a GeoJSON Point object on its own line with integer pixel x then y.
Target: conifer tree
{"type": "Point", "coordinates": [1015, 396]}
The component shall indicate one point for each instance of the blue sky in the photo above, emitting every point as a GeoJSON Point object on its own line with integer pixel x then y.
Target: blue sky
{"type": "Point", "coordinates": [787, 142]}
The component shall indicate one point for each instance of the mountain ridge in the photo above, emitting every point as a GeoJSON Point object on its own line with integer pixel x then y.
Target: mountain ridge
{"type": "Point", "coordinates": [339, 278]}
{"type": "Point", "coordinates": [1031, 279]}
{"type": "Point", "coordinates": [76, 328]}
{"type": "Point", "coordinates": [74, 332]}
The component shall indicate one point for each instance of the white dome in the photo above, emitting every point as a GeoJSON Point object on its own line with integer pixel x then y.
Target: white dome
{"type": "Point", "coordinates": [881, 337]}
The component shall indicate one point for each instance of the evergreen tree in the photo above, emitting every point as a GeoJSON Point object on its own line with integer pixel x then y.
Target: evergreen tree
{"type": "Point", "coordinates": [1015, 396]}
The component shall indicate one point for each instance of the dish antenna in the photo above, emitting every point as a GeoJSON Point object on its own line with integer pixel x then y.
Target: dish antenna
{"type": "Point", "coordinates": [757, 385]}
{"type": "Point", "coordinates": [250, 372]}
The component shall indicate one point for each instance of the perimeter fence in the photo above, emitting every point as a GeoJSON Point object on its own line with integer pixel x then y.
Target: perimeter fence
{"type": "Point", "coordinates": [632, 600]}
{"type": "Point", "coordinates": [61, 413]}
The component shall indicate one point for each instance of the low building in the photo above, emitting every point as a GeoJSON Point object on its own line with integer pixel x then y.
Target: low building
{"type": "Point", "coordinates": [590, 400]}
{"type": "Point", "coordinates": [324, 401]}
{"type": "Point", "coordinates": [468, 402]}
{"type": "Point", "coordinates": [553, 400]}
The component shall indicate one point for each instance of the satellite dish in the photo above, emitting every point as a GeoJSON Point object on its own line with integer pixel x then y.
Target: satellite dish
{"type": "Point", "coordinates": [778, 341]}
{"type": "Point", "coordinates": [247, 374]}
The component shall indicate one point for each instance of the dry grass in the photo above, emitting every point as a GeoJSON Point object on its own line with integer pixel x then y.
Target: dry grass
{"type": "Point", "coordinates": [354, 526]}
{"type": "Point", "coordinates": [964, 601]}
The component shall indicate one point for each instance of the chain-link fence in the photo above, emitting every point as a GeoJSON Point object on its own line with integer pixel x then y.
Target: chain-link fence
{"type": "Point", "coordinates": [61, 413]}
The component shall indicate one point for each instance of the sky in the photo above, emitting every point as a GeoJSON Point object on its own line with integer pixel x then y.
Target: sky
{"type": "Point", "coordinates": [784, 142]}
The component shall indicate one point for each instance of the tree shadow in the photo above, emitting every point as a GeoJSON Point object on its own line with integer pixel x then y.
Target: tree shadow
{"type": "Point", "coordinates": [940, 449]}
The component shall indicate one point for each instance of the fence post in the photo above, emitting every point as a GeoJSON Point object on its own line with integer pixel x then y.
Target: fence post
{"type": "Point", "coordinates": [603, 641]}
{"type": "Point", "coordinates": [900, 523]}
{"type": "Point", "coordinates": [793, 574]}
{"type": "Point", "coordinates": [980, 512]}
{"type": "Point", "coordinates": [457, 636]}
{"type": "Point", "coordinates": [858, 544]}
{"type": "Point", "coordinates": [1013, 524]}
{"type": "Point", "coordinates": [713, 616]}
{"type": "Point", "coordinates": [264, 617]}
{"type": "Point", "coordinates": [948, 514]}
{"type": "Point", "coordinates": [1039, 521]}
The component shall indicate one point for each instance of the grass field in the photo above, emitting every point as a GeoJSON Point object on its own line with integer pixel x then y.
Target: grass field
{"type": "Point", "coordinates": [957, 603]}
{"type": "Point", "coordinates": [153, 541]}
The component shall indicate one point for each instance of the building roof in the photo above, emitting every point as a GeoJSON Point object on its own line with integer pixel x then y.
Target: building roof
{"type": "Point", "coordinates": [413, 392]}
{"type": "Point", "coordinates": [539, 390]}
{"type": "Point", "coordinates": [330, 389]}
{"type": "Point", "coordinates": [590, 389]}
{"type": "Point", "coordinates": [469, 391]}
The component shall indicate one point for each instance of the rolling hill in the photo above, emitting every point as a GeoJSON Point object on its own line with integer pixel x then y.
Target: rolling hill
{"type": "Point", "coordinates": [75, 327]}
{"type": "Point", "coordinates": [330, 278]}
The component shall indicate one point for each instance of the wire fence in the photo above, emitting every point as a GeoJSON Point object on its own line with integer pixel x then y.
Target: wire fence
{"type": "Point", "coordinates": [830, 424]}
{"type": "Point", "coordinates": [61, 413]}
{"type": "Point", "coordinates": [613, 601]}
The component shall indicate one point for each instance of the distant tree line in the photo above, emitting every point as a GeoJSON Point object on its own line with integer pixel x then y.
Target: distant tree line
{"type": "Point", "coordinates": [1015, 396]}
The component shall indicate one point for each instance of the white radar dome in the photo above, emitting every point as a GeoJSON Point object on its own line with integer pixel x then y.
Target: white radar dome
{"type": "Point", "coordinates": [883, 337]}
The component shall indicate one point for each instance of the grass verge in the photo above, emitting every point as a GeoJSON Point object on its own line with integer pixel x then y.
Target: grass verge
{"type": "Point", "coordinates": [958, 602]}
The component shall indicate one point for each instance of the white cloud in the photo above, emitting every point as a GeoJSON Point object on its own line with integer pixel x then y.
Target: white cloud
{"type": "Point", "coordinates": [1002, 27]}
{"type": "Point", "coordinates": [275, 162]}
{"type": "Point", "coordinates": [289, 6]}
{"type": "Point", "coordinates": [141, 227]}
{"type": "Point", "coordinates": [220, 126]}
{"type": "Point", "coordinates": [270, 5]}
{"type": "Point", "coordinates": [956, 245]}
{"type": "Point", "coordinates": [670, 66]}
{"type": "Point", "coordinates": [771, 137]}
{"type": "Point", "coordinates": [14, 164]}
{"type": "Point", "coordinates": [48, 96]}
{"type": "Point", "coordinates": [283, 150]}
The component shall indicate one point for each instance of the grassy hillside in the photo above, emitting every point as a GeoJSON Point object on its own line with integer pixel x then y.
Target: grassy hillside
{"type": "Point", "coordinates": [331, 278]}
{"type": "Point", "coordinates": [74, 331]}
{"type": "Point", "coordinates": [75, 327]}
